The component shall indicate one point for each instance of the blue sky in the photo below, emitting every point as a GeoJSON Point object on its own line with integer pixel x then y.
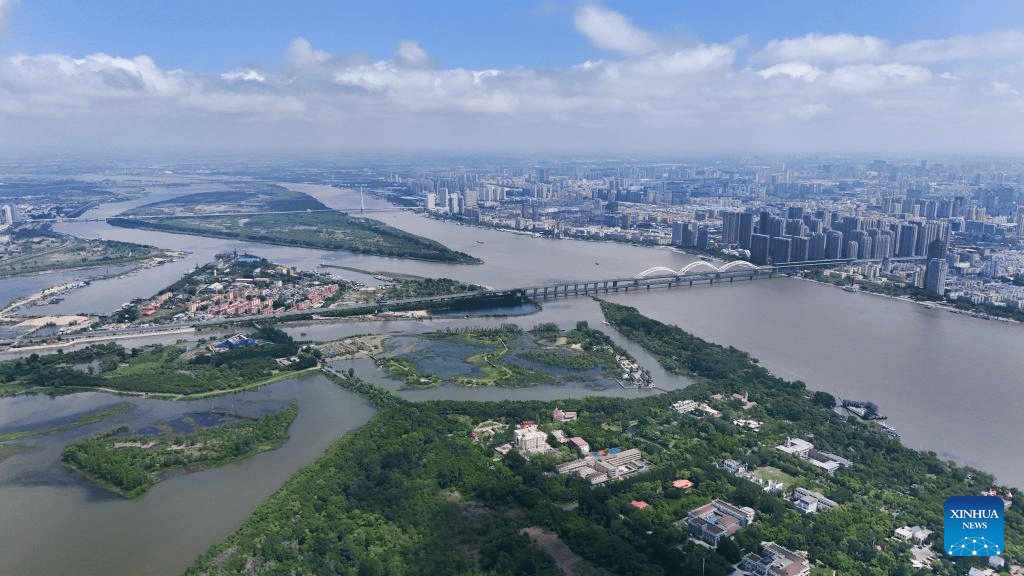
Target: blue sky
{"type": "Point", "coordinates": [213, 36]}
{"type": "Point", "coordinates": [769, 75]}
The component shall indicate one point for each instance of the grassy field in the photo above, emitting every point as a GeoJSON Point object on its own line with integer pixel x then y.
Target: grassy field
{"type": "Point", "coordinates": [318, 230]}
{"type": "Point", "coordinates": [52, 254]}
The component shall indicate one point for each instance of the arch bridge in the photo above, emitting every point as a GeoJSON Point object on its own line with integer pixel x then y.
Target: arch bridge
{"type": "Point", "coordinates": [699, 272]}
{"type": "Point", "coordinates": [698, 267]}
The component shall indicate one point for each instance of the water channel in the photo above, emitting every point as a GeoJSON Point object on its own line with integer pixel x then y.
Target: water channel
{"type": "Point", "coordinates": [948, 382]}
{"type": "Point", "coordinates": [57, 523]}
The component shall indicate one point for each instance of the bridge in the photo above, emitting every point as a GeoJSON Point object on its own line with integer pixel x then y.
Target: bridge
{"type": "Point", "coordinates": [699, 272]}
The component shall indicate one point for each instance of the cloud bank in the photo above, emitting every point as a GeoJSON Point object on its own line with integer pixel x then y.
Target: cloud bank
{"type": "Point", "coordinates": [813, 92]}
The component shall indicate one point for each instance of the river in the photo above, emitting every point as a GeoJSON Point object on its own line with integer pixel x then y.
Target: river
{"type": "Point", "coordinates": [58, 523]}
{"type": "Point", "coordinates": [948, 382]}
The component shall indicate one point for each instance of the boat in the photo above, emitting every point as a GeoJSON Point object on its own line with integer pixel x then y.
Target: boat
{"type": "Point", "coordinates": [851, 288]}
{"type": "Point", "coordinates": [889, 430]}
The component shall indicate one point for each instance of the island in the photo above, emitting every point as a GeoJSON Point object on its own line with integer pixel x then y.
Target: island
{"type": "Point", "coordinates": [130, 463]}
{"type": "Point", "coordinates": [274, 215]}
{"type": "Point", "coordinates": [741, 469]}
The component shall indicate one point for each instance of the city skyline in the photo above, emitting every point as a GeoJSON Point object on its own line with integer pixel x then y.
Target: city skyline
{"type": "Point", "coordinates": [748, 77]}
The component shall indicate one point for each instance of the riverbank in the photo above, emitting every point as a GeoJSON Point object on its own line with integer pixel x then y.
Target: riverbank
{"type": "Point", "coordinates": [423, 475]}
{"type": "Point", "coordinates": [279, 377]}
{"type": "Point", "coordinates": [940, 305]}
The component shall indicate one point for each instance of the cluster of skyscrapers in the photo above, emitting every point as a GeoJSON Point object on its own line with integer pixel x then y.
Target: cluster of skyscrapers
{"type": "Point", "coordinates": [824, 235]}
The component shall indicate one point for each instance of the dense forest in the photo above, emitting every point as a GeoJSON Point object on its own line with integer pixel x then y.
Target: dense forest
{"type": "Point", "coordinates": [412, 492]}
{"type": "Point", "coordinates": [130, 464]}
{"type": "Point", "coordinates": [156, 368]}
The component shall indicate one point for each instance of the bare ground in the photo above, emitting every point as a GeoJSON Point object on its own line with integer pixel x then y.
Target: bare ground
{"type": "Point", "coordinates": [567, 560]}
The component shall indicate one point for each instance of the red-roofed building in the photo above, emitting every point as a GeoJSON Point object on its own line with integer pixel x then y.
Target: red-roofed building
{"type": "Point", "coordinates": [683, 484]}
{"type": "Point", "coordinates": [640, 504]}
{"type": "Point", "coordinates": [581, 444]}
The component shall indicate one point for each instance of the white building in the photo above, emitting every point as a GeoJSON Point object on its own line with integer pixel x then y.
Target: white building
{"type": "Point", "coordinates": [915, 533]}
{"type": "Point", "coordinates": [796, 446]}
{"type": "Point", "coordinates": [808, 501]}
{"type": "Point", "coordinates": [531, 440]}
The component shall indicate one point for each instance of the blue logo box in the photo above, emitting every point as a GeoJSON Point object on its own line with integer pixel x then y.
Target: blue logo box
{"type": "Point", "coordinates": [973, 526]}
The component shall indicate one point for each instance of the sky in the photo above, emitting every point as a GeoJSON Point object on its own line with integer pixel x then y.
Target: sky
{"type": "Point", "coordinates": [762, 76]}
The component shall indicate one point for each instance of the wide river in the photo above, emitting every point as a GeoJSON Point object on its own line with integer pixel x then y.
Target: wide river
{"type": "Point", "coordinates": [948, 382]}
{"type": "Point", "coordinates": [57, 523]}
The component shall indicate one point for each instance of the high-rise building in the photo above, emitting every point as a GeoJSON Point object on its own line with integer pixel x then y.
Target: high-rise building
{"type": "Point", "coordinates": [759, 248]}
{"type": "Point", "coordinates": [864, 247]}
{"type": "Point", "coordinates": [677, 233]}
{"type": "Point", "coordinates": [907, 240]}
{"type": "Point", "coordinates": [851, 249]}
{"type": "Point", "coordinates": [816, 246]}
{"type": "Point", "coordinates": [780, 250]}
{"type": "Point", "coordinates": [746, 229]}
{"type": "Point", "coordinates": [813, 224]}
{"type": "Point", "coordinates": [883, 245]}
{"type": "Point", "coordinates": [834, 245]}
{"type": "Point", "coordinates": [928, 233]}
{"type": "Point", "coordinates": [684, 234]}
{"type": "Point", "coordinates": [702, 238]}
{"type": "Point", "coordinates": [731, 227]}
{"type": "Point", "coordinates": [935, 277]}
{"type": "Point", "coordinates": [799, 248]}
{"type": "Point", "coordinates": [858, 236]}
{"type": "Point", "coordinates": [795, 227]}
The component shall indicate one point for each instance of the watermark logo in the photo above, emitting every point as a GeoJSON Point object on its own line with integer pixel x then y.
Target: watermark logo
{"type": "Point", "coordinates": [974, 526]}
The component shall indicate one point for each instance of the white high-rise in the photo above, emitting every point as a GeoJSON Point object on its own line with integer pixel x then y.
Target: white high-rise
{"type": "Point", "coordinates": [6, 215]}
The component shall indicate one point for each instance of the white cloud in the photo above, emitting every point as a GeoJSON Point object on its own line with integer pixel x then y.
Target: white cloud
{"type": "Point", "coordinates": [865, 78]}
{"type": "Point", "coordinates": [997, 44]}
{"type": "Point", "coordinates": [840, 48]}
{"type": "Point", "coordinates": [1004, 89]}
{"type": "Point", "coordinates": [411, 54]}
{"type": "Point", "coordinates": [5, 11]}
{"type": "Point", "coordinates": [797, 70]}
{"type": "Point", "coordinates": [699, 59]}
{"type": "Point", "coordinates": [850, 48]}
{"type": "Point", "coordinates": [301, 53]}
{"type": "Point", "coordinates": [245, 75]}
{"type": "Point", "coordinates": [612, 31]}
{"type": "Point", "coordinates": [674, 98]}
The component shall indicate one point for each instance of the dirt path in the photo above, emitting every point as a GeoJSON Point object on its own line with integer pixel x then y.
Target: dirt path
{"type": "Point", "coordinates": [567, 560]}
